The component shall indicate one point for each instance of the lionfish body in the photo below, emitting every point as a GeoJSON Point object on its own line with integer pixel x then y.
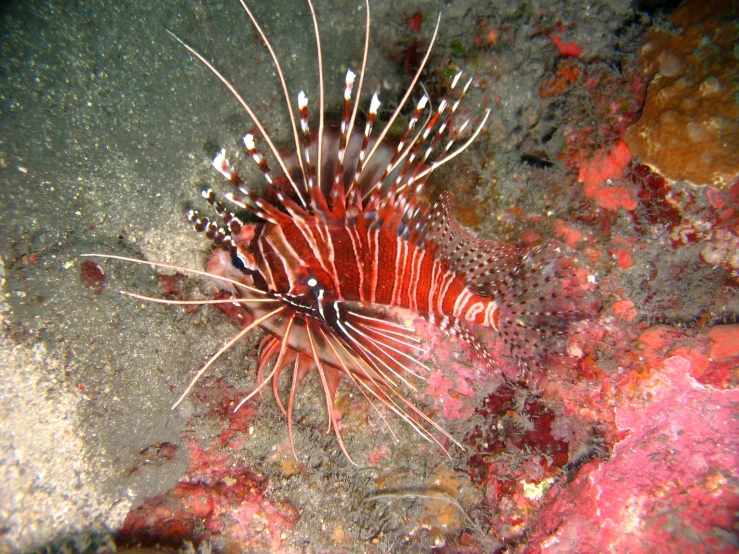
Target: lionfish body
{"type": "Point", "coordinates": [344, 229]}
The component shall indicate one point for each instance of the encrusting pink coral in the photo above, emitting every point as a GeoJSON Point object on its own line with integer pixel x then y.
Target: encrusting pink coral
{"type": "Point", "coordinates": [567, 49]}
{"type": "Point", "coordinates": [596, 175]}
{"type": "Point", "coordinates": [725, 341]}
{"type": "Point", "coordinates": [672, 482]}
{"type": "Point", "coordinates": [626, 309]}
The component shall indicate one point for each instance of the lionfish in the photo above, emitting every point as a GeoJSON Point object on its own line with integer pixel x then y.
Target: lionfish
{"type": "Point", "coordinates": [345, 228]}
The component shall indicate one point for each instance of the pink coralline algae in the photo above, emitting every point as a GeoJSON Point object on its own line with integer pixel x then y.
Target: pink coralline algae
{"type": "Point", "coordinates": [625, 309]}
{"type": "Point", "coordinates": [440, 386]}
{"type": "Point", "coordinates": [596, 175]}
{"type": "Point", "coordinates": [567, 49]}
{"type": "Point", "coordinates": [672, 481]}
{"type": "Point", "coordinates": [570, 234]}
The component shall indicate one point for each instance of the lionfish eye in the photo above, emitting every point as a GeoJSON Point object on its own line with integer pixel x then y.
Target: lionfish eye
{"type": "Point", "coordinates": [238, 262]}
{"type": "Point", "coordinates": [312, 282]}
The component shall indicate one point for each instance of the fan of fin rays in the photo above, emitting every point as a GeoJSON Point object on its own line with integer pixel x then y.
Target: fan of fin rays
{"type": "Point", "coordinates": [374, 374]}
{"type": "Point", "coordinates": [373, 353]}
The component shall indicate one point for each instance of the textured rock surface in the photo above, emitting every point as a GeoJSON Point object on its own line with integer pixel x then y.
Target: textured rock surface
{"type": "Point", "coordinates": [670, 480]}
{"type": "Point", "coordinates": [689, 129]}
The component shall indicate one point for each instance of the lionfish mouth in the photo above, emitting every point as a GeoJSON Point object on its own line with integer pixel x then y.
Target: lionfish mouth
{"type": "Point", "coordinates": [343, 229]}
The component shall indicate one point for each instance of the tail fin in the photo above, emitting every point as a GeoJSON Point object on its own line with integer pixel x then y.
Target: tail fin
{"type": "Point", "coordinates": [539, 301]}
{"type": "Point", "coordinates": [540, 294]}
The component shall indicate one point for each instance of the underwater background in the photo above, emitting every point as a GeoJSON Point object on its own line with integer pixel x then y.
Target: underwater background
{"type": "Point", "coordinates": [614, 129]}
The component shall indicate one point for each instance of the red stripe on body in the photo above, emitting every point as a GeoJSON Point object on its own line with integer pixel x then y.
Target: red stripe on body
{"type": "Point", "coordinates": [370, 265]}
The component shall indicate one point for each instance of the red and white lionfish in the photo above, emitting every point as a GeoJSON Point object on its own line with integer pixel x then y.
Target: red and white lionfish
{"type": "Point", "coordinates": [345, 229]}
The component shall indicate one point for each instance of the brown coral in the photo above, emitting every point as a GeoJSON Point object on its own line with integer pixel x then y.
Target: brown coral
{"type": "Point", "coordinates": [689, 129]}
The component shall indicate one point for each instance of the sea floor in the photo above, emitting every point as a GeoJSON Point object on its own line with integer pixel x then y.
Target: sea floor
{"type": "Point", "coordinates": [107, 129]}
